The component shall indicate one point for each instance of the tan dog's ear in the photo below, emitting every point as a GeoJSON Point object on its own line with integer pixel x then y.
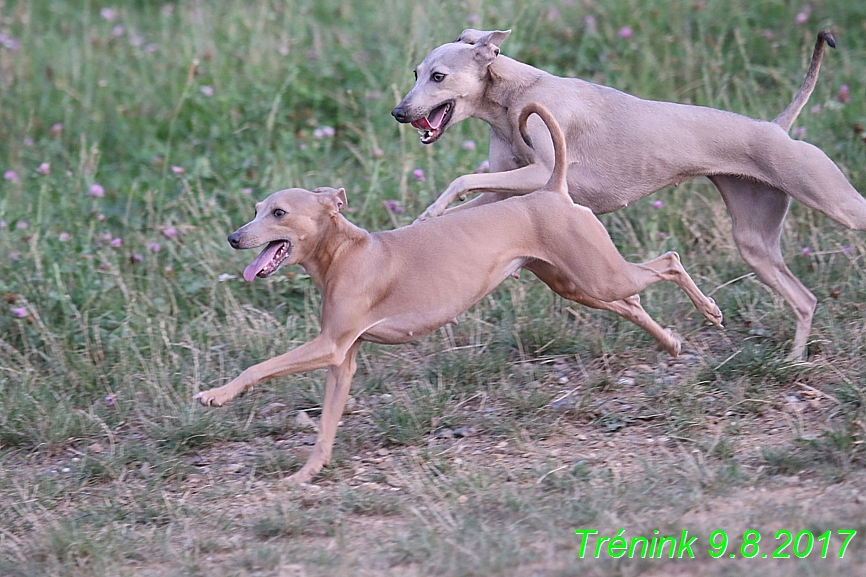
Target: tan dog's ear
{"type": "Point", "coordinates": [487, 47]}
{"type": "Point", "coordinates": [332, 197]}
{"type": "Point", "coordinates": [340, 198]}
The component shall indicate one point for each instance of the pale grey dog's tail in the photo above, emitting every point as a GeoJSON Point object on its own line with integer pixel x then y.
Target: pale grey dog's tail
{"type": "Point", "coordinates": [787, 118]}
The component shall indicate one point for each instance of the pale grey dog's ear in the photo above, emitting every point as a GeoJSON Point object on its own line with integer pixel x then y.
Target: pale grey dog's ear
{"type": "Point", "coordinates": [487, 47]}
{"type": "Point", "coordinates": [497, 37]}
{"type": "Point", "coordinates": [470, 36]}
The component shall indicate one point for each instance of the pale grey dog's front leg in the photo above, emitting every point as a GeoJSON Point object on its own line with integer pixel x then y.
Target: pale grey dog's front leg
{"type": "Point", "coordinates": [510, 183]}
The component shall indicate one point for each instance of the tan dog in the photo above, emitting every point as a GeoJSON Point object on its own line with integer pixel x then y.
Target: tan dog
{"type": "Point", "coordinates": [396, 286]}
{"type": "Point", "coordinates": [622, 148]}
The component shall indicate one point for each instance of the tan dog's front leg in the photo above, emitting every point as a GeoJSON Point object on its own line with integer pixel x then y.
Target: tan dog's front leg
{"type": "Point", "coordinates": [511, 183]}
{"type": "Point", "coordinates": [337, 384]}
{"type": "Point", "coordinates": [319, 353]}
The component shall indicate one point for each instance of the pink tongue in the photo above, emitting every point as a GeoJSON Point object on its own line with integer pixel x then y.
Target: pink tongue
{"type": "Point", "coordinates": [433, 121]}
{"type": "Point", "coordinates": [262, 260]}
{"type": "Point", "coordinates": [422, 124]}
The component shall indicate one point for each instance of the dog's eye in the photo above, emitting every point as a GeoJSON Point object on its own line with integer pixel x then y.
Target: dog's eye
{"type": "Point", "coordinates": [437, 77]}
{"type": "Point", "coordinates": [279, 212]}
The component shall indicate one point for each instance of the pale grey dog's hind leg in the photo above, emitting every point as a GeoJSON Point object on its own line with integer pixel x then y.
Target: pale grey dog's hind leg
{"type": "Point", "coordinates": [757, 213]}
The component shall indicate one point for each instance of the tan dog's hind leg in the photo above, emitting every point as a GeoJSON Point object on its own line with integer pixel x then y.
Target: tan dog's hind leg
{"type": "Point", "coordinates": [337, 384]}
{"type": "Point", "coordinates": [600, 271]}
{"type": "Point", "coordinates": [629, 308]}
{"type": "Point", "coordinates": [757, 214]}
{"type": "Point", "coordinates": [669, 267]}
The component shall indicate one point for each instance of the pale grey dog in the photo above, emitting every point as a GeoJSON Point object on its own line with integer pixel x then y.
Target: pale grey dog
{"type": "Point", "coordinates": [622, 148]}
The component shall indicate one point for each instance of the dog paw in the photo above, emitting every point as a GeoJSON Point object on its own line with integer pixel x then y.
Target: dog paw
{"type": "Point", "coordinates": [713, 313]}
{"type": "Point", "coordinates": [305, 475]}
{"type": "Point", "coordinates": [673, 345]}
{"type": "Point", "coordinates": [432, 212]}
{"type": "Point", "coordinates": [210, 398]}
{"type": "Point", "coordinates": [311, 468]}
{"type": "Point", "coordinates": [797, 355]}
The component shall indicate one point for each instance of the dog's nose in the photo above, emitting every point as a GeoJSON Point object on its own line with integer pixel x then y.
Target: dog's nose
{"type": "Point", "coordinates": [234, 239]}
{"type": "Point", "coordinates": [399, 113]}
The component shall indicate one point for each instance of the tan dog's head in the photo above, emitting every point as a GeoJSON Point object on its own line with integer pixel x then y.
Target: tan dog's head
{"type": "Point", "coordinates": [291, 223]}
{"type": "Point", "coordinates": [448, 81]}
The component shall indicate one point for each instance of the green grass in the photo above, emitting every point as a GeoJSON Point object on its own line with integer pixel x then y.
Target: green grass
{"type": "Point", "coordinates": [185, 114]}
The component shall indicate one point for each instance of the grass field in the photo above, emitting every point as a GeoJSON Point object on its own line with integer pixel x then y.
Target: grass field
{"type": "Point", "coordinates": [137, 135]}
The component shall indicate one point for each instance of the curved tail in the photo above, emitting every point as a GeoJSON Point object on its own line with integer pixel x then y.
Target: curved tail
{"type": "Point", "coordinates": [787, 118]}
{"type": "Point", "coordinates": [560, 165]}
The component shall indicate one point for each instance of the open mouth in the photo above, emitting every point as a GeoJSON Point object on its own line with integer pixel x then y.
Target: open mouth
{"type": "Point", "coordinates": [269, 260]}
{"type": "Point", "coordinates": [431, 127]}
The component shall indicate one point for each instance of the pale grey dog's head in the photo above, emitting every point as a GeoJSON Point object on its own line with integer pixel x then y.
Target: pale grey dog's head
{"type": "Point", "coordinates": [448, 81]}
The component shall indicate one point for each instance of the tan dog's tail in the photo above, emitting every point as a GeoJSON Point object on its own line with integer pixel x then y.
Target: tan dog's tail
{"type": "Point", "coordinates": [787, 118]}
{"type": "Point", "coordinates": [560, 161]}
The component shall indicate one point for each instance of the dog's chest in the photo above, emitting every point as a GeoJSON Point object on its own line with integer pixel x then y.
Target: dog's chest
{"type": "Point", "coordinates": [510, 159]}
{"type": "Point", "coordinates": [506, 156]}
